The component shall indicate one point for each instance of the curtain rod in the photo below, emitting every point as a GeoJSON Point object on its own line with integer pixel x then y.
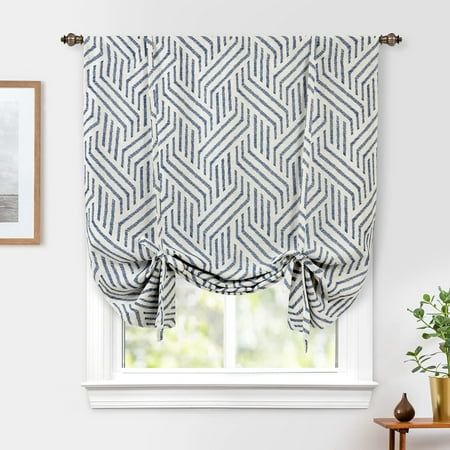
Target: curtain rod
{"type": "Point", "coordinates": [72, 39]}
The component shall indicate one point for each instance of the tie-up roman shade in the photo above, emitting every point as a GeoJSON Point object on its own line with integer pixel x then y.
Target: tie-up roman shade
{"type": "Point", "coordinates": [233, 162]}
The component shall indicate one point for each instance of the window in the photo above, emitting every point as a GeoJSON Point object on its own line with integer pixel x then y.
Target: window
{"type": "Point", "coordinates": [229, 351]}
{"type": "Point", "coordinates": [229, 332]}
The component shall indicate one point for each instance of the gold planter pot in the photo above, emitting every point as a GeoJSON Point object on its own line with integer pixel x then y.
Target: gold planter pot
{"type": "Point", "coordinates": [440, 398]}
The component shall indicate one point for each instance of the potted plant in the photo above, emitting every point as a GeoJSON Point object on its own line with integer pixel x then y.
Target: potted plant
{"type": "Point", "coordinates": [434, 322]}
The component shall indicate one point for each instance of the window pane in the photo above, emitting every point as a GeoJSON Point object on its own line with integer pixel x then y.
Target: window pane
{"type": "Point", "coordinates": [264, 339]}
{"type": "Point", "coordinates": [196, 341]}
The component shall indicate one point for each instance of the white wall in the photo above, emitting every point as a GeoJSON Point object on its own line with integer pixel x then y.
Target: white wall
{"type": "Point", "coordinates": [42, 288]}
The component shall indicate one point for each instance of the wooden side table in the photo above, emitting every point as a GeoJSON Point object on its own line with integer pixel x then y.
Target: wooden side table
{"type": "Point", "coordinates": [393, 425]}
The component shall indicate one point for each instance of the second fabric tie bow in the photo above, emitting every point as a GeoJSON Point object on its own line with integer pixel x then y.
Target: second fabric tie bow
{"type": "Point", "coordinates": [306, 283]}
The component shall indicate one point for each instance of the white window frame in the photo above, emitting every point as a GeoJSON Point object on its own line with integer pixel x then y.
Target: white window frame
{"type": "Point", "coordinates": [349, 385]}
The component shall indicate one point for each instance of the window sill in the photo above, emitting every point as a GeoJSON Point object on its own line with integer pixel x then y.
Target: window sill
{"type": "Point", "coordinates": [111, 394]}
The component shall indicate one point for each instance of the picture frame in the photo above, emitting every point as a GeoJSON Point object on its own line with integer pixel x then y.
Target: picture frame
{"type": "Point", "coordinates": [20, 162]}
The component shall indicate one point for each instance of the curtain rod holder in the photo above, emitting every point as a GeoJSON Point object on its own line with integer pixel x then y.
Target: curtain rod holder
{"type": "Point", "coordinates": [390, 39]}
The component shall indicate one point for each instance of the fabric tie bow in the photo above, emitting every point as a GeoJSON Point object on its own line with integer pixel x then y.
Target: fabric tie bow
{"type": "Point", "coordinates": [307, 290]}
{"type": "Point", "coordinates": [162, 263]}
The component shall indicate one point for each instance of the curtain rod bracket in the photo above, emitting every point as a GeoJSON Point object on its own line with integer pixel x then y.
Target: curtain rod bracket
{"type": "Point", "coordinates": [390, 39]}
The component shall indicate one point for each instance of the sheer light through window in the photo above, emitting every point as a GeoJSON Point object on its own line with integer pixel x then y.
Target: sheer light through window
{"type": "Point", "coordinates": [229, 332]}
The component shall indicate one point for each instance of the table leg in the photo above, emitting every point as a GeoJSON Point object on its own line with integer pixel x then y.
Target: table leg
{"type": "Point", "coordinates": [391, 439]}
{"type": "Point", "coordinates": [403, 439]}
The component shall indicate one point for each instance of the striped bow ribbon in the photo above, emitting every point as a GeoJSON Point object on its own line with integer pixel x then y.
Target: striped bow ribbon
{"type": "Point", "coordinates": [307, 285]}
{"type": "Point", "coordinates": [163, 263]}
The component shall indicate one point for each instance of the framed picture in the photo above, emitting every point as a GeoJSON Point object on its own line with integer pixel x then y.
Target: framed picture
{"type": "Point", "coordinates": [20, 107]}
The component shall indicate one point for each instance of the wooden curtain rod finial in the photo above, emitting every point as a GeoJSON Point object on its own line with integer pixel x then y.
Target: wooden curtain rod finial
{"type": "Point", "coordinates": [390, 39]}
{"type": "Point", "coordinates": [72, 39]}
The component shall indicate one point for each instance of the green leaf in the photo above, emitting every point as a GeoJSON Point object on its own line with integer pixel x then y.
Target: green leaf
{"type": "Point", "coordinates": [410, 354]}
{"type": "Point", "coordinates": [418, 350]}
{"type": "Point", "coordinates": [416, 369]}
{"type": "Point", "coordinates": [426, 297]}
{"type": "Point", "coordinates": [443, 296]}
{"type": "Point", "coordinates": [419, 313]}
{"type": "Point", "coordinates": [438, 319]}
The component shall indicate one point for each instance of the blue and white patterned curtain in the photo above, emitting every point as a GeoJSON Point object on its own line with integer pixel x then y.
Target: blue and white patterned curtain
{"type": "Point", "coordinates": [233, 162]}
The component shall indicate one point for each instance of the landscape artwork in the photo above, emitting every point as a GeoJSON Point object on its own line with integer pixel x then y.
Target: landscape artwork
{"type": "Point", "coordinates": [9, 173]}
{"type": "Point", "coordinates": [20, 162]}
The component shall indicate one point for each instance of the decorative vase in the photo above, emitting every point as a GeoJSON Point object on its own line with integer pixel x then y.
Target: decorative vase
{"type": "Point", "coordinates": [404, 411]}
{"type": "Point", "coordinates": [440, 398]}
